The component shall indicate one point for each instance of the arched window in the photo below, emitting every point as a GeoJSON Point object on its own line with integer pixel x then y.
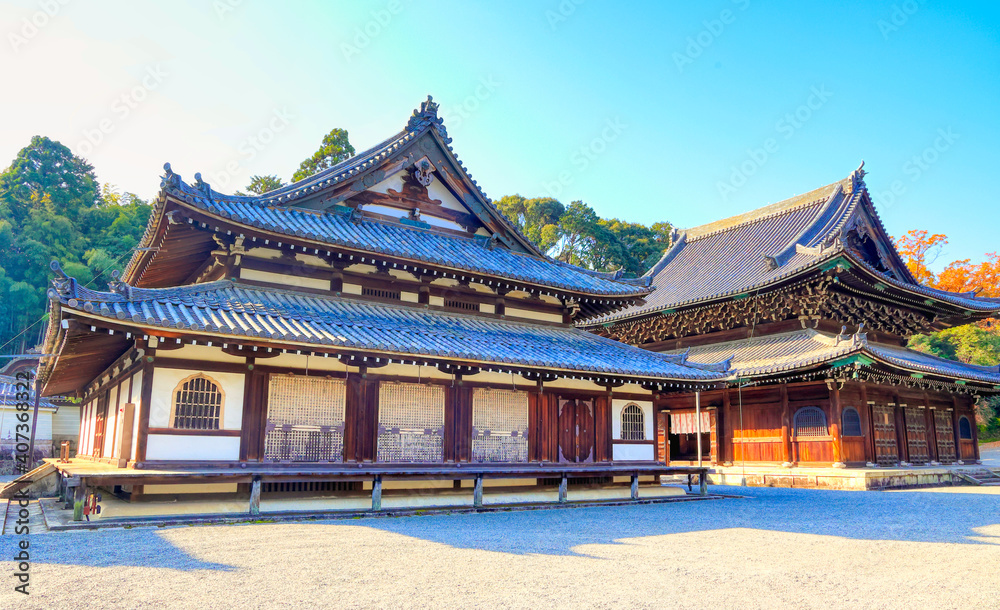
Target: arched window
{"type": "Point", "coordinates": [810, 421]}
{"type": "Point", "coordinates": [197, 404]}
{"type": "Point", "coordinates": [633, 423]}
{"type": "Point", "coordinates": [964, 429]}
{"type": "Point", "coordinates": [851, 422]}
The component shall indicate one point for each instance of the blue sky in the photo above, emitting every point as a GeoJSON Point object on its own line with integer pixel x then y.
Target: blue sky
{"type": "Point", "coordinates": [685, 112]}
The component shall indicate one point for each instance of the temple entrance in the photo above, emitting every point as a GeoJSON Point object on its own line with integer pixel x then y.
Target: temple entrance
{"type": "Point", "coordinates": [576, 430]}
{"type": "Point", "coordinates": [684, 436]}
{"type": "Point", "coordinates": [945, 433]}
{"type": "Point", "coordinates": [916, 436]}
{"type": "Point", "coordinates": [884, 426]}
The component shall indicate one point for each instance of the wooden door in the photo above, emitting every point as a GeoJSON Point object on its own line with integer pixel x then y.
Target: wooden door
{"type": "Point", "coordinates": [102, 418]}
{"type": "Point", "coordinates": [576, 430]}
{"type": "Point", "coordinates": [945, 433]}
{"type": "Point", "coordinates": [916, 436]}
{"type": "Point", "coordinates": [884, 426]}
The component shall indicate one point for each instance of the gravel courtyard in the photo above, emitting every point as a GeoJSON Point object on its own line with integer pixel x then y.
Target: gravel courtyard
{"type": "Point", "coordinates": [772, 548]}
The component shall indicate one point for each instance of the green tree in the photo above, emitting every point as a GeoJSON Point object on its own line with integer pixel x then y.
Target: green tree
{"type": "Point", "coordinates": [262, 184]}
{"type": "Point", "coordinates": [335, 148]}
{"type": "Point", "coordinates": [46, 167]}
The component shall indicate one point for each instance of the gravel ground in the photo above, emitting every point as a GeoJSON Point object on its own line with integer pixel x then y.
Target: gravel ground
{"type": "Point", "coordinates": [773, 548]}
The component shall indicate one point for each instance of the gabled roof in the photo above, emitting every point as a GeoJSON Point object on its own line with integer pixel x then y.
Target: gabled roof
{"type": "Point", "coordinates": [229, 309]}
{"type": "Point", "coordinates": [750, 252]}
{"type": "Point", "coordinates": [309, 211]}
{"type": "Point", "coordinates": [774, 355]}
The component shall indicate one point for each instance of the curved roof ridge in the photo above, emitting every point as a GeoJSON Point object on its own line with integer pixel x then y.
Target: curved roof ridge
{"type": "Point", "coordinates": [786, 206]}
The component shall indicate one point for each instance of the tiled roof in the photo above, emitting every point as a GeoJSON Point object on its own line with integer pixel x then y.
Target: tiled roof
{"type": "Point", "coordinates": [9, 390]}
{"type": "Point", "coordinates": [785, 352]}
{"type": "Point", "coordinates": [467, 254]}
{"type": "Point", "coordinates": [752, 251]}
{"type": "Point", "coordinates": [275, 211]}
{"type": "Point", "coordinates": [229, 308]}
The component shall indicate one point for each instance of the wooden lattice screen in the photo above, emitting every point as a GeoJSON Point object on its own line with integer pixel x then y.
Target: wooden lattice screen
{"type": "Point", "coordinates": [305, 419]}
{"type": "Point", "coordinates": [410, 422]}
{"type": "Point", "coordinates": [633, 424]}
{"type": "Point", "coordinates": [499, 425]}
{"type": "Point", "coordinates": [945, 433]}
{"type": "Point", "coordinates": [197, 405]}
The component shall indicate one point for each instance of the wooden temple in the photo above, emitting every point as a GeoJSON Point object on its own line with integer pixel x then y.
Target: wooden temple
{"type": "Point", "coordinates": [378, 320]}
{"type": "Point", "coordinates": [813, 307]}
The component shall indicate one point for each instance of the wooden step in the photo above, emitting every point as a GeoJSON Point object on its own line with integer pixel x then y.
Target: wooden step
{"type": "Point", "coordinates": [27, 479]}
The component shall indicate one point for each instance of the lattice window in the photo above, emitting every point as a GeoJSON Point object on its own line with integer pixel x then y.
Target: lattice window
{"type": "Point", "coordinates": [378, 293]}
{"type": "Point", "coordinates": [810, 421]}
{"type": "Point", "coordinates": [851, 422]}
{"type": "Point", "coordinates": [964, 429]}
{"type": "Point", "coordinates": [410, 422]}
{"type": "Point", "coordinates": [305, 419]}
{"type": "Point", "coordinates": [499, 425]}
{"type": "Point", "coordinates": [463, 305]}
{"type": "Point", "coordinates": [633, 423]}
{"type": "Point", "coordinates": [198, 403]}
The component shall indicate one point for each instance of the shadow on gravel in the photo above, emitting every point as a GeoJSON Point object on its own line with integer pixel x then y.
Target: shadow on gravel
{"type": "Point", "coordinates": [109, 548]}
{"type": "Point", "coordinates": [903, 516]}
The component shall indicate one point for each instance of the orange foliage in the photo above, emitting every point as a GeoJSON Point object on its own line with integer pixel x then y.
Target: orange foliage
{"type": "Point", "coordinates": [959, 276]}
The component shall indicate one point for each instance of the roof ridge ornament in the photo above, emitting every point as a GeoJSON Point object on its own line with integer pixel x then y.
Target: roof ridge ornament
{"type": "Point", "coordinates": [858, 178]}
{"type": "Point", "coordinates": [426, 115]}
{"type": "Point", "coordinates": [202, 186]}
{"type": "Point", "coordinates": [169, 178]}
{"type": "Point", "coordinates": [64, 285]}
{"type": "Point", "coordinates": [119, 287]}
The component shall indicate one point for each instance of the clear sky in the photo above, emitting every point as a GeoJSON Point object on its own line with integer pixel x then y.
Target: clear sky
{"type": "Point", "coordinates": [685, 112]}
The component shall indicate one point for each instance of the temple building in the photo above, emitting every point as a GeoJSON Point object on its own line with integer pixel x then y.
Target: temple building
{"type": "Point", "coordinates": [380, 320]}
{"type": "Point", "coordinates": [813, 307]}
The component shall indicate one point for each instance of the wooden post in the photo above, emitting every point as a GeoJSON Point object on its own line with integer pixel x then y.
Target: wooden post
{"type": "Point", "coordinates": [477, 492]}
{"type": "Point", "coordinates": [836, 417]}
{"type": "Point", "coordinates": [563, 483]}
{"type": "Point", "coordinates": [79, 499]}
{"type": "Point", "coordinates": [870, 429]}
{"type": "Point", "coordinates": [955, 428]}
{"type": "Point", "coordinates": [128, 418]}
{"type": "Point", "coordinates": [635, 486]}
{"type": "Point", "coordinates": [697, 418]}
{"type": "Point", "coordinates": [902, 443]}
{"type": "Point", "coordinates": [377, 493]}
{"type": "Point", "coordinates": [255, 496]}
{"type": "Point", "coordinates": [703, 483]}
{"type": "Point", "coordinates": [786, 429]}
{"type": "Point", "coordinates": [726, 448]}
{"type": "Point", "coordinates": [931, 434]}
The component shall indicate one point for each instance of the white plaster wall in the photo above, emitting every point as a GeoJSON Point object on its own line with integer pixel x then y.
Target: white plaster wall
{"type": "Point", "coordinates": [8, 425]}
{"type": "Point", "coordinates": [617, 405]}
{"type": "Point", "coordinates": [299, 361]}
{"type": "Point", "coordinates": [66, 421]}
{"type": "Point", "coordinates": [532, 315]}
{"type": "Point", "coordinates": [109, 423]}
{"type": "Point", "coordinates": [164, 382]}
{"type": "Point", "coordinates": [204, 352]}
{"type": "Point", "coordinates": [502, 380]}
{"type": "Point", "coordinates": [575, 384]}
{"type": "Point", "coordinates": [284, 280]}
{"type": "Point", "coordinates": [633, 452]}
{"type": "Point", "coordinates": [179, 447]}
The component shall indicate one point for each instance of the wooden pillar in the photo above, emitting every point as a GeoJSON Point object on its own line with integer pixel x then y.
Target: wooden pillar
{"type": "Point", "coordinates": [128, 419]}
{"type": "Point", "coordinates": [663, 437]}
{"type": "Point", "coordinates": [955, 430]}
{"type": "Point", "coordinates": [836, 417]}
{"type": "Point", "coordinates": [713, 436]}
{"type": "Point", "coordinates": [902, 444]}
{"type": "Point", "coordinates": [377, 493]}
{"type": "Point", "coordinates": [786, 429]}
{"type": "Point", "coordinates": [931, 434]}
{"type": "Point", "coordinates": [477, 492]}
{"type": "Point", "coordinates": [563, 485]}
{"type": "Point", "coordinates": [635, 486]}
{"type": "Point", "coordinates": [726, 448]}
{"type": "Point", "coordinates": [975, 433]}
{"type": "Point", "coordinates": [255, 496]}
{"type": "Point", "coordinates": [703, 483]}
{"type": "Point", "coordinates": [147, 396]}
{"type": "Point", "coordinates": [79, 499]}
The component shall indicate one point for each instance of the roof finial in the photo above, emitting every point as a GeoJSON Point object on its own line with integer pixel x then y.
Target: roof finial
{"type": "Point", "coordinates": [426, 115]}
{"type": "Point", "coordinates": [858, 177]}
